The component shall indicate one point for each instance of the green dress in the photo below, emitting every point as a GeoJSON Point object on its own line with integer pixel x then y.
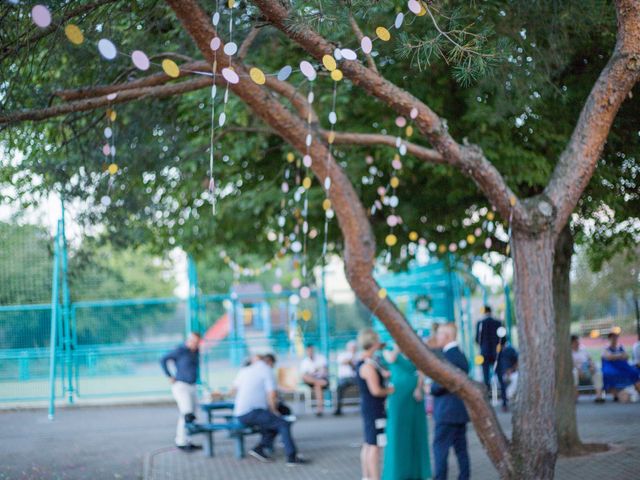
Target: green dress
{"type": "Point", "coordinates": [406, 456]}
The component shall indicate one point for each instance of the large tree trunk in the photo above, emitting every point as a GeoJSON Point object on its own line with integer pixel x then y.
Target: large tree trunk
{"type": "Point", "coordinates": [568, 438]}
{"type": "Point", "coordinates": [534, 444]}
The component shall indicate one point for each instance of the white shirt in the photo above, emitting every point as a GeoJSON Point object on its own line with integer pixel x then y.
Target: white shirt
{"type": "Point", "coordinates": [449, 346]}
{"type": "Point", "coordinates": [580, 358]}
{"type": "Point", "coordinates": [313, 366]}
{"type": "Point", "coordinates": [346, 370]}
{"type": "Point", "coordinates": [253, 384]}
{"type": "Point", "coordinates": [635, 350]}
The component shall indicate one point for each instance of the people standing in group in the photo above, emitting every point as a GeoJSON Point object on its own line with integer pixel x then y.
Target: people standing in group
{"type": "Point", "coordinates": [256, 404]}
{"type": "Point", "coordinates": [373, 393]}
{"type": "Point", "coordinates": [347, 361]}
{"type": "Point", "coordinates": [449, 413]}
{"type": "Point", "coordinates": [186, 360]}
{"type": "Point", "coordinates": [489, 341]}
{"type": "Point", "coordinates": [407, 453]}
{"type": "Point", "coordinates": [585, 370]}
{"type": "Point", "coordinates": [316, 375]}
{"type": "Point", "coordinates": [617, 374]}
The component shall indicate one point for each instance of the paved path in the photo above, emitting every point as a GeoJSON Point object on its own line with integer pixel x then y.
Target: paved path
{"type": "Point", "coordinates": [115, 442]}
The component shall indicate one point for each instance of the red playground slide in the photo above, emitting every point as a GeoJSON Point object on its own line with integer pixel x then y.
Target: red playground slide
{"type": "Point", "coordinates": [216, 332]}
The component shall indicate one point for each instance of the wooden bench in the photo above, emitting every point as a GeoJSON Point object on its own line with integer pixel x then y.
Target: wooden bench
{"type": "Point", "coordinates": [236, 429]}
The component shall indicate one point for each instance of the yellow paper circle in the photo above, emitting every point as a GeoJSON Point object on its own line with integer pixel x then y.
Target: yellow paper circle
{"type": "Point", "coordinates": [306, 315]}
{"type": "Point", "coordinates": [383, 34]}
{"type": "Point", "coordinates": [112, 169]}
{"type": "Point", "coordinates": [490, 216]}
{"type": "Point", "coordinates": [512, 201]}
{"type": "Point", "coordinates": [326, 204]}
{"type": "Point", "coordinates": [290, 157]}
{"type": "Point", "coordinates": [394, 182]}
{"type": "Point", "coordinates": [332, 138]}
{"type": "Point", "coordinates": [306, 183]}
{"type": "Point", "coordinates": [74, 34]}
{"type": "Point", "coordinates": [336, 75]}
{"type": "Point", "coordinates": [112, 115]}
{"type": "Point", "coordinates": [409, 131]}
{"type": "Point", "coordinates": [442, 248]}
{"type": "Point", "coordinates": [423, 11]}
{"type": "Point", "coordinates": [257, 76]}
{"type": "Point", "coordinates": [382, 293]}
{"type": "Point", "coordinates": [170, 68]}
{"type": "Point", "coordinates": [479, 359]}
{"type": "Point", "coordinates": [329, 62]}
{"type": "Point", "coordinates": [391, 240]}
{"type": "Point", "coordinates": [471, 239]}
{"type": "Point", "coordinates": [231, 3]}
{"type": "Point", "coordinates": [413, 236]}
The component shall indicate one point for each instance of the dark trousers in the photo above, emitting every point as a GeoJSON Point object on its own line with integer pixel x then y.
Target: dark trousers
{"type": "Point", "coordinates": [343, 384]}
{"type": "Point", "coordinates": [449, 435]}
{"type": "Point", "coordinates": [499, 372]}
{"type": "Point", "coordinates": [487, 364]}
{"type": "Point", "coordinates": [271, 426]}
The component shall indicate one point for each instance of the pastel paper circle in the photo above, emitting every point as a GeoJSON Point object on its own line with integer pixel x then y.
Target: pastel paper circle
{"type": "Point", "coordinates": [112, 169]}
{"type": "Point", "coordinates": [368, 159]}
{"type": "Point", "coordinates": [112, 96]}
{"type": "Point", "coordinates": [215, 19]}
{"type": "Point", "coordinates": [403, 149]}
{"type": "Point", "coordinates": [396, 164]}
{"type": "Point", "coordinates": [414, 6]}
{"type": "Point", "coordinates": [230, 48]}
{"type": "Point", "coordinates": [277, 288]}
{"type": "Point", "coordinates": [307, 70]}
{"type": "Point", "coordinates": [257, 76]}
{"type": "Point", "coordinates": [305, 292]}
{"type": "Point", "coordinates": [230, 76]}
{"type": "Point", "coordinates": [399, 20]}
{"type": "Point", "coordinates": [107, 49]}
{"type": "Point", "coordinates": [392, 220]}
{"type": "Point", "coordinates": [477, 232]}
{"type": "Point", "coordinates": [74, 34]}
{"type": "Point", "coordinates": [140, 60]}
{"type": "Point", "coordinates": [394, 182]}
{"type": "Point", "coordinates": [337, 54]}
{"type": "Point", "coordinates": [401, 121]}
{"type": "Point", "coordinates": [381, 191]}
{"type": "Point", "coordinates": [336, 75]}
{"type": "Point", "coordinates": [393, 201]}
{"type": "Point", "coordinates": [311, 97]}
{"type": "Point", "coordinates": [391, 240]}
{"type": "Point", "coordinates": [294, 299]}
{"type": "Point", "coordinates": [215, 43]}
{"type": "Point", "coordinates": [108, 132]}
{"type": "Point", "coordinates": [413, 113]}
{"type": "Point", "coordinates": [41, 16]}
{"type": "Point", "coordinates": [222, 119]}
{"type": "Point", "coordinates": [170, 68]}
{"type": "Point", "coordinates": [306, 183]}
{"type": "Point", "coordinates": [284, 73]}
{"type": "Point", "coordinates": [329, 62]}
{"type": "Point", "coordinates": [366, 45]}
{"type": "Point", "coordinates": [285, 187]}
{"type": "Point", "coordinates": [308, 140]}
{"type": "Point", "coordinates": [105, 200]}
{"type": "Point", "coordinates": [327, 183]}
{"type": "Point", "coordinates": [333, 118]}
{"type": "Point", "coordinates": [106, 149]}
{"type": "Point", "coordinates": [348, 54]}
{"type": "Point", "coordinates": [383, 34]}
{"type": "Point", "coordinates": [329, 213]}
{"type": "Point", "coordinates": [307, 161]}
{"type": "Point", "coordinates": [295, 248]}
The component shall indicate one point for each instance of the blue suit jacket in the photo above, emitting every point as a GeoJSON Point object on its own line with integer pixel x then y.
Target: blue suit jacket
{"type": "Point", "coordinates": [487, 337]}
{"type": "Point", "coordinates": [447, 407]}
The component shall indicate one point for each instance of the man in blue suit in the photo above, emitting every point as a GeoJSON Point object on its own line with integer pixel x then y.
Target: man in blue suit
{"type": "Point", "coordinates": [449, 412]}
{"type": "Point", "coordinates": [487, 338]}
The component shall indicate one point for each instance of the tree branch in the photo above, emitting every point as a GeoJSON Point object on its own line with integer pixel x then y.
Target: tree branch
{"type": "Point", "coordinates": [247, 42]}
{"type": "Point", "coordinates": [418, 151]}
{"type": "Point", "coordinates": [298, 100]}
{"type": "Point", "coordinates": [579, 159]}
{"type": "Point", "coordinates": [98, 102]}
{"type": "Point", "coordinates": [468, 158]}
{"type": "Point", "coordinates": [356, 29]}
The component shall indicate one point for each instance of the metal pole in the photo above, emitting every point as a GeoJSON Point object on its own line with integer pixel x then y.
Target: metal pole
{"type": "Point", "coordinates": [508, 311]}
{"type": "Point", "coordinates": [324, 318]}
{"type": "Point", "coordinates": [65, 310]}
{"type": "Point", "coordinates": [54, 325]}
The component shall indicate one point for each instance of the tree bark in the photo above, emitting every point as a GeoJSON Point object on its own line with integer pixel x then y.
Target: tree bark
{"type": "Point", "coordinates": [534, 442]}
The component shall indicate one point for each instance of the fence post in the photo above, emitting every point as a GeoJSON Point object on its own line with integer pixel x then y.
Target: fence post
{"type": "Point", "coordinates": [508, 311]}
{"type": "Point", "coordinates": [54, 324]}
{"type": "Point", "coordinates": [191, 321]}
{"type": "Point", "coordinates": [324, 318]}
{"type": "Point", "coordinates": [66, 320]}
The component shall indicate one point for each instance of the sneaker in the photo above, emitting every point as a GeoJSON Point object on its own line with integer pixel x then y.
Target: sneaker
{"type": "Point", "coordinates": [259, 454]}
{"type": "Point", "coordinates": [319, 414]}
{"type": "Point", "coordinates": [296, 460]}
{"type": "Point", "coordinates": [337, 413]}
{"type": "Point", "coordinates": [599, 400]}
{"type": "Point", "coordinates": [190, 447]}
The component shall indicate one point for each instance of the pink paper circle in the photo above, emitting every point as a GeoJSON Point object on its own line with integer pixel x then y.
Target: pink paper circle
{"type": "Point", "coordinates": [396, 164]}
{"type": "Point", "coordinates": [414, 113]}
{"type": "Point", "coordinates": [41, 16]}
{"type": "Point", "coordinates": [295, 283]}
{"type": "Point", "coordinates": [366, 45]}
{"type": "Point", "coordinates": [381, 191]}
{"type": "Point", "coordinates": [401, 121]}
{"type": "Point", "coordinates": [307, 161]}
{"type": "Point", "coordinates": [140, 60]}
{"type": "Point", "coordinates": [392, 220]}
{"type": "Point", "coordinates": [277, 288]}
{"type": "Point", "coordinates": [305, 292]}
{"type": "Point", "coordinates": [215, 43]}
{"type": "Point", "coordinates": [307, 70]}
{"type": "Point", "coordinates": [230, 76]}
{"type": "Point", "coordinates": [368, 159]}
{"type": "Point", "coordinates": [106, 150]}
{"type": "Point", "coordinates": [415, 6]}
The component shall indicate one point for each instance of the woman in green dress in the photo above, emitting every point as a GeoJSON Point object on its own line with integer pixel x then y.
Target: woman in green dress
{"type": "Point", "coordinates": [407, 453]}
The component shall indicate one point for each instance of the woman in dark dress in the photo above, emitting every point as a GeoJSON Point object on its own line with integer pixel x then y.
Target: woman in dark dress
{"type": "Point", "coordinates": [373, 394]}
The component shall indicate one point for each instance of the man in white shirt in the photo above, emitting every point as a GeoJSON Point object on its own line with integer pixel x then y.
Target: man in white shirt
{"type": "Point", "coordinates": [346, 372]}
{"type": "Point", "coordinates": [584, 369]}
{"type": "Point", "coordinates": [315, 374]}
{"type": "Point", "coordinates": [256, 405]}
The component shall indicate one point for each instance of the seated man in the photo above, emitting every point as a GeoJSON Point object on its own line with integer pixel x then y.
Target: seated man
{"type": "Point", "coordinates": [315, 374]}
{"type": "Point", "coordinates": [346, 372]}
{"type": "Point", "coordinates": [256, 405]}
{"type": "Point", "coordinates": [616, 371]}
{"type": "Point", "coordinates": [584, 370]}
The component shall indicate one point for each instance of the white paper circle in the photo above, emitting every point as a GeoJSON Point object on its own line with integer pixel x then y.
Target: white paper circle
{"type": "Point", "coordinates": [308, 140]}
{"type": "Point", "coordinates": [107, 49]}
{"type": "Point", "coordinates": [113, 151]}
{"type": "Point", "coordinates": [393, 201]}
{"type": "Point", "coordinates": [501, 332]}
{"type": "Point", "coordinates": [330, 214]}
{"type": "Point", "coordinates": [366, 45]}
{"type": "Point", "coordinates": [311, 97]}
{"type": "Point", "coordinates": [327, 183]}
{"type": "Point", "coordinates": [41, 16]}
{"type": "Point", "coordinates": [399, 20]}
{"type": "Point", "coordinates": [112, 96]}
{"type": "Point", "coordinates": [140, 60]}
{"type": "Point", "coordinates": [294, 299]}
{"type": "Point", "coordinates": [230, 48]}
{"type": "Point", "coordinates": [285, 187]}
{"type": "Point", "coordinates": [333, 118]}
{"type": "Point", "coordinates": [222, 119]}
{"type": "Point", "coordinates": [281, 221]}
{"type": "Point", "coordinates": [215, 19]}
{"type": "Point", "coordinates": [284, 73]}
{"type": "Point", "coordinates": [213, 91]}
{"type": "Point", "coordinates": [215, 43]}
{"type": "Point", "coordinates": [230, 76]}
{"type": "Point", "coordinates": [307, 70]}
{"type": "Point", "coordinates": [337, 54]}
{"type": "Point", "coordinates": [403, 149]}
{"type": "Point", "coordinates": [398, 142]}
{"type": "Point", "coordinates": [307, 161]}
{"type": "Point", "coordinates": [105, 200]}
{"type": "Point", "coordinates": [348, 54]}
{"type": "Point", "coordinates": [296, 247]}
{"type": "Point", "coordinates": [415, 6]}
{"type": "Point", "coordinates": [108, 132]}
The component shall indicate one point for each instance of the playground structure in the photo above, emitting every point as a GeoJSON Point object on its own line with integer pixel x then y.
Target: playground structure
{"type": "Point", "coordinates": [86, 356]}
